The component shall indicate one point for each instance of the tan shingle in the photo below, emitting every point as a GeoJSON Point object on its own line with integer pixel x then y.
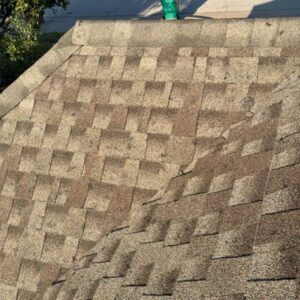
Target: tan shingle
{"type": "Point", "coordinates": [162, 163]}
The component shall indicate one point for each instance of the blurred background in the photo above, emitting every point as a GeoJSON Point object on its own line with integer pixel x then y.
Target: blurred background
{"type": "Point", "coordinates": [62, 20]}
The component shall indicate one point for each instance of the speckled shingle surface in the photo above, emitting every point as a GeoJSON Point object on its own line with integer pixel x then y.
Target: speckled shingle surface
{"type": "Point", "coordinates": [158, 161]}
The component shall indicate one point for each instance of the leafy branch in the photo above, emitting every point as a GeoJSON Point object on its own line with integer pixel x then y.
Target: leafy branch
{"type": "Point", "coordinates": [19, 25]}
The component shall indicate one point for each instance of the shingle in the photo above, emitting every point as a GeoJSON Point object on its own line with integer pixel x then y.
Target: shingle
{"type": "Point", "coordinates": [264, 33]}
{"type": "Point", "coordinates": [29, 134]}
{"type": "Point", "coordinates": [5, 208]}
{"type": "Point", "coordinates": [194, 269]}
{"type": "Point", "coordinates": [161, 281]}
{"type": "Point", "coordinates": [214, 97]}
{"type": "Point", "coordinates": [268, 51]}
{"type": "Point", "coordinates": [13, 236]}
{"type": "Point", "coordinates": [180, 233]}
{"type": "Point", "coordinates": [252, 147]}
{"type": "Point", "coordinates": [137, 144]}
{"type": "Point", "coordinates": [240, 51]}
{"type": "Point", "coordinates": [31, 244]}
{"type": "Point", "coordinates": [179, 149]}
{"type": "Point", "coordinates": [153, 175]}
{"type": "Point", "coordinates": [247, 189]}
{"type": "Point", "coordinates": [62, 191]}
{"type": "Point", "coordinates": [242, 70]}
{"type": "Point", "coordinates": [235, 243]}
{"type": "Point", "coordinates": [102, 92]}
{"type": "Point", "coordinates": [283, 178]}
{"type": "Point", "coordinates": [152, 51]}
{"type": "Point", "coordinates": [9, 269]}
{"type": "Point", "coordinates": [113, 143]}
{"type": "Point", "coordinates": [157, 232]}
{"type": "Point", "coordinates": [70, 90]}
{"type": "Point", "coordinates": [239, 33]}
{"type": "Point", "coordinates": [37, 215]}
{"type": "Point", "coordinates": [286, 158]}
{"type": "Point", "coordinates": [120, 265]}
{"type": "Point", "coordinates": [86, 90]}
{"type": "Point", "coordinates": [161, 121]}
{"type": "Point", "coordinates": [273, 265]}
{"type": "Point", "coordinates": [201, 246]}
{"type": "Point", "coordinates": [240, 216]}
{"type": "Point", "coordinates": [59, 249]}
{"type": "Point", "coordinates": [197, 184]}
{"type": "Point", "coordinates": [98, 196]}
{"type": "Point", "coordinates": [61, 162]}
{"type": "Point", "coordinates": [185, 51]}
{"type": "Point", "coordinates": [200, 69]}
{"type": "Point", "coordinates": [174, 191]}
{"type": "Point", "coordinates": [8, 292]}
{"type": "Point", "coordinates": [290, 141]}
{"type": "Point", "coordinates": [131, 66]}
{"type": "Point", "coordinates": [156, 147]}
{"type": "Point", "coordinates": [290, 114]}
{"type": "Point", "coordinates": [157, 94]}
{"type": "Point", "coordinates": [139, 276]}
{"type": "Point", "coordinates": [140, 219]}
{"type": "Point", "coordinates": [232, 147]}
{"type": "Point", "coordinates": [108, 288]}
{"type": "Point", "coordinates": [135, 51]}
{"type": "Point", "coordinates": [94, 221]}
{"type": "Point", "coordinates": [207, 225]}
{"type": "Point", "coordinates": [183, 70]}
{"type": "Point", "coordinates": [111, 67]}
{"type": "Point", "coordinates": [281, 200]}
{"type": "Point", "coordinates": [112, 171]}
{"type": "Point", "coordinates": [90, 68]}
{"type": "Point", "coordinates": [270, 289]}
{"type": "Point", "coordinates": [108, 250]}
{"type": "Point", "coordinates": [165, 68]}
{"type": "Point", "coordinates": [216, 69]}
{"type": "Point", "coordinates": [25, 294]}
{"type": "Point", "coordinates": [12, 157]}
{"type": "Point", "coordinates": [178, 95]}
{"type": "Point", "coordinates": [59, 220]}
{"type": "Point", "coordinates": [20, 212]}
{"type": "Point", "coordinates": [87, 290]}
{"type": "Point", "coordinates": [136, 171]}
{"type": "Point", "coordinates": [29, 275]}
{"type": "Point", "coordinates": [218, 39]}
{"type": "Point", "coordinates": [276, 229]}
{"type": "Point", "coordinates": [227, 276]}
{"type": "Point", "coordinates": [41, 110]}
{"type": "Point", "coordinates": [186, 122]}
{"type": "Point", "coordinates": [193, 289]}
{"type": "Point", "coordinates": [289, 31]}
{"type": "Point", "coordinates": [270, 69]}
{"type": "Point", "coordinates": [217, 201]}
{"type": "Point", "coordinates": [221, 182]}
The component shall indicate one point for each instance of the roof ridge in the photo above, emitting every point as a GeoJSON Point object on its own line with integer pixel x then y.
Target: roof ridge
{"type": "Point", "coordinates": [262, 32]}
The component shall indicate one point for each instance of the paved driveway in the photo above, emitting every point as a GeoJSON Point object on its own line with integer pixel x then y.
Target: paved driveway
{"type": "Point", "coordinates": [131, 9]}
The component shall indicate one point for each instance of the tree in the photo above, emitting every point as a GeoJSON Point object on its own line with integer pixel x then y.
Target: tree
{"type": "Point", "coordinates": [19, 23]}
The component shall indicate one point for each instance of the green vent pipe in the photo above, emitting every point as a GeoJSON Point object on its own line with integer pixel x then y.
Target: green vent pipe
{"type": "Point", "coordinates": [170, 11]}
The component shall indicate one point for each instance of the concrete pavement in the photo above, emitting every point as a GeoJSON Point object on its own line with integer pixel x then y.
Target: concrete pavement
{"type": "Point", "coordinates": [62, 20]}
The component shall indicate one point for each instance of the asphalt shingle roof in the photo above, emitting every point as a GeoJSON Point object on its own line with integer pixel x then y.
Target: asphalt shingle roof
{"type": "Point", "coordinates": [154, 160]}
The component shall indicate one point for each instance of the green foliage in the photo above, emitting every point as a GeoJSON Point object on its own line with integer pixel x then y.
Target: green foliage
{"type": "Point", "coordinates": [11, 70]}
{"type": "Point", "coordinates": [19, 23]}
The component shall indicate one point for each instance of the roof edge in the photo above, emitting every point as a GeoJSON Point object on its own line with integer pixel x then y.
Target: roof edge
{"type": "Point", "coordinates": [262, 32]}
{"type": "Point", "coordinates": [37, 73]}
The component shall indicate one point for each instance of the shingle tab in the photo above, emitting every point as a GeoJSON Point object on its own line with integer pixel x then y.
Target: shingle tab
{"type": "Point", "coordinates": [160, 160]}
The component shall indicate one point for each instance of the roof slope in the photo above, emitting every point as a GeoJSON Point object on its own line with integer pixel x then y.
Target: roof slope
{"type": "Point", "coordinates": [156, 160]}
